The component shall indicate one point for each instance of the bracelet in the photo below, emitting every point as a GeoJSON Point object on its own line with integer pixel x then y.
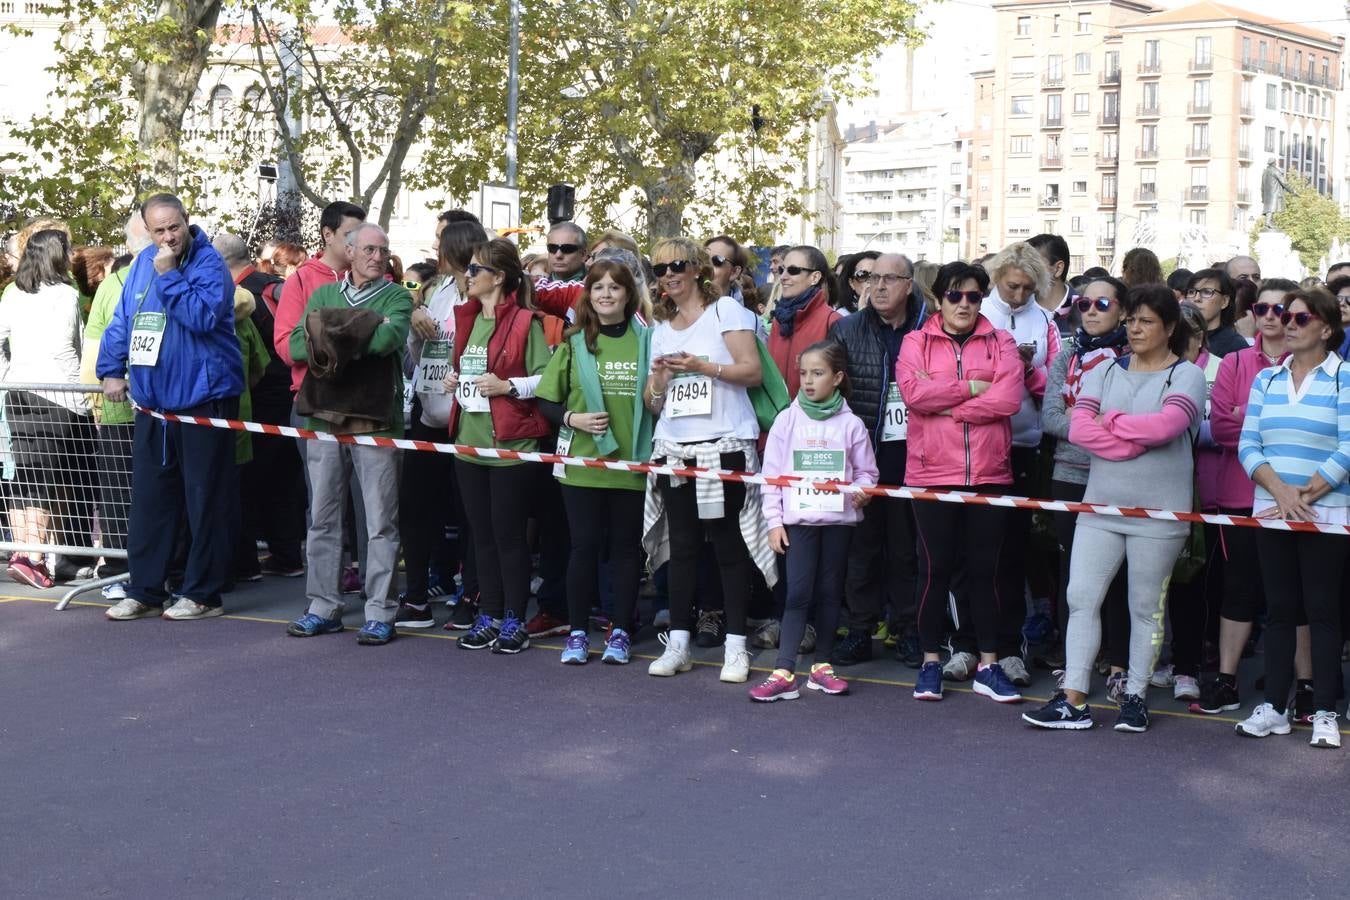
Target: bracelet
{"type": "Point", "coordinates": [718, 376]}
{"type": "Point", "coordinates": [654, 394]}
{"type": "Point", "coordinates": [566, 422]}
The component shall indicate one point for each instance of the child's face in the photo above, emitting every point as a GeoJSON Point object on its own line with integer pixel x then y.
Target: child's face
{"type": "Point", "coordinates": [817, 378]}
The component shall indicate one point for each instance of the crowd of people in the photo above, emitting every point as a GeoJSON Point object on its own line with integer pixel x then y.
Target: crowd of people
{"type": "Point", "coordinates": [1210, 390]}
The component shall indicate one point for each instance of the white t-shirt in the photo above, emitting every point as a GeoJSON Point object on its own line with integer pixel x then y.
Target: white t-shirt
{"type": "Point", "coordinates": [441, 308]}
{"type": "Point", "coordinates": [732, 415]}
{"type": "Point", "coordinates": [40, 341]}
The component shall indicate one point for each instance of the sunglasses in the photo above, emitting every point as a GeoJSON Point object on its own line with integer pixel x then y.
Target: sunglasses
{"type": "Point", "coordinates": [1343, 299]}
{"type": "Point", "coordinates": [675, 267]}
{"type": "Point", "coordinates": [794, 271]}
{"type": "Point", "coordinates": [413, 285]}
{"type": "Point", "coordinates": [720, 261]}
{"type": "Point", "coordinates": [1102, 303]}
{"type": "Point", "coordinates": [1300, 319]}
{"type": "Point", "coordinates": [974, 298]}
{"type": "Point", "coordinates": [1261, 310]}
{"type": "Point", "coordinates": [474, 269]}
{"type": "Point", "coordinates": [563, 248]}
{"type": "Point", "coordinates": [864, 277]}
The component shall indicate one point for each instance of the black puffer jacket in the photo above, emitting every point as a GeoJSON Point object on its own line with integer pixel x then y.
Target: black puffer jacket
{"type": "Point", "coordinates": [869, 374]}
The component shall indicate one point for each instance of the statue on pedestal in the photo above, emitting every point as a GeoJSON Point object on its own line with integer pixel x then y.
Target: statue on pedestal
{"type": "Point", "coordinates": [1273, 189]}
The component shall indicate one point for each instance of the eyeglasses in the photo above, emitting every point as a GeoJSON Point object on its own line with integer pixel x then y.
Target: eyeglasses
{"type": "Point", "coordinates": [562, 248]}
{"type": "Point", "coordinates": [794, 271]}
{"type": "Point", "coordinates": [974, 298]}
{"type": "Point", "coordinates": [413, 285]}
{"type": "Point", "coordinates": [777, 270]}
{"type": "Point", "coordinates": [720, 261]}
{"type": "Point", "coordinates": [1102, 303]}
{"type": "Point", "coordinates": [1300, 319]}
{"type": "Point", "coordinates": [864, 277]}
{"type": "Point", "coordinates": [1261, 310]}
{"type": "Point", "coordinates": [1202, 293]}
{"type": "Point", "coordinates": [890, 280]}
{"type": "Point", "coordinates": [372, 250]}
{"type": "Point", "coordinates": [1249, 276]}
{"type": "Point", "coordinates": [675, 267]}
{"type": "Point", "coordinates": [475, 269]}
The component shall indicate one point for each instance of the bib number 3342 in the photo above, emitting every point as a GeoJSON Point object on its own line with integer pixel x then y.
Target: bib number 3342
{"type": "Point", "coordinates": [147, 334]}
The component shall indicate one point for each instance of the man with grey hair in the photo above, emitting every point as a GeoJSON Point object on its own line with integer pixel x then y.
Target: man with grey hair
{"type": "Point", "coordinates": [566, 252]}
{"type": "Point", "coordinates": [1244, 268]}
{"type": "Point", "coordinates": [348, 304]}
{"type": "Point", "coordinates": [882, 562]}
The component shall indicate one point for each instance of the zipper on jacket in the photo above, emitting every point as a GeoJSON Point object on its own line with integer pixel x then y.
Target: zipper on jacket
{"type": "Point", "coordinates": [965, 426]}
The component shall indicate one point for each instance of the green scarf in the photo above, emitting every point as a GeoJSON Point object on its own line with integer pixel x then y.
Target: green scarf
{"type": "Point", "coordinates": [822, 410]}
{"type": "Point", "coordinates": [589, 375]}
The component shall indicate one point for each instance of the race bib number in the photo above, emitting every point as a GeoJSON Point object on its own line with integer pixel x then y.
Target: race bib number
{"type": "Point", "coordinates": [896, 426]}
{"type": "Point", "coordinates": [689, 395]}
{"type": "Point", "coordinates": [828, 464]}
{"type": "Point", "coordinates": [147, 333]}
{"type": "Point", "coordinates": [433, 367]}
{"type": "Point", "coordinates": [565, 435]}
{"type": "Point", "coordinates": [469, 397]}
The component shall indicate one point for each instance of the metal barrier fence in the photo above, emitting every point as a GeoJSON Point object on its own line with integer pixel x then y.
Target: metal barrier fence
{"type": "Point", "coordinates": [65, 484]}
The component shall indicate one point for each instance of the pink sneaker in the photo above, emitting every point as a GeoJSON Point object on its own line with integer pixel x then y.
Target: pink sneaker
{"type": "Point", "coordinates": [823, 679]}
{"type": "Point", "coordinates": [25, 571]}
{"type": "Point", "coordinates": [781, 685]}
{"type": "Point", "coordinates": [351, 581]}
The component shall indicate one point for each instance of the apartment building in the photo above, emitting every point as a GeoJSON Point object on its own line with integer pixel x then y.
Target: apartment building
{"type": "Point", "coordinates": [1118, 124]}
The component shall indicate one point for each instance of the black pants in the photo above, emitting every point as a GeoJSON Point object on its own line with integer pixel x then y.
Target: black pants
{"type": "Point", "coordinates": [426, 505]}
{"type": "Point", "coordinates": [114, 491]}
{"type": "Point", "coordinates": [1302, 572]}
{"type": "Point", "coordinates": [181, 469]}
{"type": "Point", "coordinates": [1243, 599]}
{"type": "Point", "coordinates": [554, 544]}
{"type": "Point", "coordinates": [1012, 562]}
{"type": "Point", "coordinates": [1116, 606]}
{"type": "Point", "coordinates": [497, 499]}
{"type": "Point", "coordinates": [1194, 608]}
{"type": "Point", "coordinates": [273, 490]}
{"type": "Point", "coordinates": [882, 562]}
{"type": "Point", "coordinates": [687, 535]}
{"type": "Point", "coordinates": [817, 557]}
{"type": "Point", "coordinates": [953, 532]}
{"type": "Point", "coordinates": [600, 518]}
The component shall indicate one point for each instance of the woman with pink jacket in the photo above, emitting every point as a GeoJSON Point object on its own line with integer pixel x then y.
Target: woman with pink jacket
{"type": "Point", "coordinates": [962, 380]}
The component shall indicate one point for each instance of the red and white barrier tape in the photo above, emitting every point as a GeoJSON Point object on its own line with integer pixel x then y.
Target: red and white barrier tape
{"type": "Point", "coordinates": [901, 493]}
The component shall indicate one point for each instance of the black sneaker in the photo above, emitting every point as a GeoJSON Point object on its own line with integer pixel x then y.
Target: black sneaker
{"type": "Point", "coordinates": [482, 635]}
{"type": "Point", "coordinates": [710, 631]}
{"type": "Point", "coordinates": [1304, 706]}
{"type": "Point", "coordinates": [855, 647]}
{"type": "Point", "coordinates": [907, 649]}
{"type": "Point", "coordinates": [1060, 714]}
{"type": "Point", "coordinates": [1133, 714]}
{"type": "Point", "coordinates": [513, 637]}
{"type": "Point", "coordinates": [1217, 696]}
{"type": "Point", "coordinates": [410, 616]}
{"type": "Point", "coordinates": [462, 616]}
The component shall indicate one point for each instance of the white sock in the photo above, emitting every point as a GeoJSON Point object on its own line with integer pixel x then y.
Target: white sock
{"type": "Point", "coordinates": [677, 640]}
{"type": "Point", "coordinates": [735, 642]}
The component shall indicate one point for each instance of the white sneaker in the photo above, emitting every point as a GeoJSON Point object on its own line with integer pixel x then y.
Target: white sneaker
{"type": "Point", "coordinates": [736, 667]}
{"type": "Point", "coordinates": [186, 610]}
{"type": "Point", "coordinates": [1184, 687]}
{"type": "Point", "coordinates": [675, 659]}
{"type": "Point", "coordinates": [115, 591]}
{"type": "Point", "coordinates": [1263, 722]}
{"type": "Point", "coordinates": [127, 609]}
{"type": "Point", "coordinates": [1016, 670]}
{"type": "Point", "coordinates": [1163, 677]}
{"type": "Point", "coordinates": [961, 667]}
{"type": "Point", "coordinates": [1324, 730]}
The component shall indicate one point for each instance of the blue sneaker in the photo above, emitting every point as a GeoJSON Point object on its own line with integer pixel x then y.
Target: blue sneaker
{"type": "Point", "coordinates": [309, 625]}
{"type": "Point", "coordinates": [992, 682]}
{"type": "Point", "coordinates": [375, 633]}
{"type": "Point", "coordinates": [513, 636]}
{"type": "Point", "coordinates": [482, 634]}
{"type": "Point", "coordinates": [577, 650]}
{"type": "Point", "coordinates": [929, 684]}
{"type": "Point", "coordinates": [616, 648]}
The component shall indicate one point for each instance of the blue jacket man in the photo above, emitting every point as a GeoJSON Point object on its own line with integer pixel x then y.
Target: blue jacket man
{"type": "Point", "coordinates": [173, 329]}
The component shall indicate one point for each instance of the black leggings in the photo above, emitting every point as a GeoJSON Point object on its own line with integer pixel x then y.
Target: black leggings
{"type": "Point", "coordinates": [687, 535]}
{"type": "Point", "coordinates": [1116, 606]}
{"type": "Point", "coordinates": [1242, 597]}
{"type": "Point", "coordinates": [817, 557]}
{"type": "Point", "coordinates": [497, 500]}
{"type": "Point", "coordinates": [597, 516]}
{"type": "Point", "coordinates": [1302, 572]}
{"type": "Point", "coordinates": [426, 506]}
{"type": "Point", "coordinates": [952, 532]}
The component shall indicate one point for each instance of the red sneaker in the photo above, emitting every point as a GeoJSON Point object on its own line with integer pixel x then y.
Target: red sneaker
{"type": "Point", "coordinates": [823, 679]}
{"type": "Point", "coordinates": [544, 625]}
{"type": "Point", "coordinates": [24, 571]}
{"type": "Point", "coordinates": [781, 685]}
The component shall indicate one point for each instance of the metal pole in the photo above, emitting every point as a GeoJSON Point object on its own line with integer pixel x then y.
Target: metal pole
{"type": "Point", "coordinates": [512, 94]}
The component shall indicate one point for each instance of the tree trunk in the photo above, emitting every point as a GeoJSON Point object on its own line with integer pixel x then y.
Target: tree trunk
{"type": "Point", "coordinates": [666, 199]}
{"type": "Point", "coordinates": [167, 85]}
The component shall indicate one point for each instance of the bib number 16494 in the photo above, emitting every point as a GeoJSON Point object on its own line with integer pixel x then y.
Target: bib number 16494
{"type": "Point", "coordinates": [690, 395]}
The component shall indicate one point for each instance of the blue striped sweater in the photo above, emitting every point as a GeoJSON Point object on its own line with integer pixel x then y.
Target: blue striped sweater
{"type": "Point", "coordinates": [1301, 437]}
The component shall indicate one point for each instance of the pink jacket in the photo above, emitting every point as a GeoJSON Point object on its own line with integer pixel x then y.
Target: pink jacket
{"type": "Point", "coordinates": [795, 430]}
{"type": "Point", "coordinates": [972, 444]}
{"type": "Point", "coordinates": [312, 274]}
{"type": "Point", "coordinates": [1228, 407]}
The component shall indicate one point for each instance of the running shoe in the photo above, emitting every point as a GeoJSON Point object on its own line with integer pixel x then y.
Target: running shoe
{"type": "Point", "coordinates": [482, 635]}
{"type": "Point", "coordinates": [1324, 730]}
{"type": "Point", "coordinates": [374, 633]}
{"type": "Point", "coordinates": [186, 610]}
{"type": "Point", "coordinates": [824, 680]}
{"type": "Point", "coordinates": [462, 616]}
{"type": "Point", "coordinates": [351, 581]}
{"type": "Point", "coordinates": [115, 591]}
{"type": "Point", "coordinates": [577, 649]}
{"type": "Point", "coordinates": [1185, 687]}
{"type": "Point", "coordinates": [928, 686]}
{"type": "Point", "coordinates": [127, 609]}
{"type": "Point", "coordinates": [735, 665]}
{"type": "Point", "coordinates": [617, 646]}
{"type": "Point", "coordinates": [25, 571]}
{"type": "Point", "coordinates": [808, 643]}
{"type": "Point", "coordinates": [765, 637]}
{"type": "Point", "coordinates": [545, 625]}
{"type": "Point", "coordinates": [1115, 686]}
{"type": "Point", "coordinates": [710, 631]}
{"type": "Point", "coordinates": [1217, 696]}
{"type": "Point", "coordinates": [310, 625]}
{"type": "Point", "coordinates": [855, 647]}
{"type": "Point", "coordinates": [1016, 670]}
{"type": "Point", "coordinates": [1060, 714]}
{"type": "Point", "coordinates": [992, 682]}
{"type": "Point", "coordinates": [1162, 676]}
{"type": "Point", "coordinates": [675, 658]}
{"type": "Point", "coordinates": [781, 685]}
{"type": "Point", "coordinates": [1263, 722]}
{"type": "Point", "coordinates": [410, 616]}
{"type": "Point", "coordinates": [1305, 707]}
{"type": "Point", "coordinates": [513, 637]}
{"type": "Point", "coordinates": [907, 650]}
{"type": "Point", "coordinates": [1133, 715]}
{"type": "Point", "coordinates": [271, 567]}
{"type": "Point", "coordinates": [961, 667]}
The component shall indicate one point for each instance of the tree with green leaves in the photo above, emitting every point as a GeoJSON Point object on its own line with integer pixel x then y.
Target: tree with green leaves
{"type": "Point", "coordinates": [1311, 220]}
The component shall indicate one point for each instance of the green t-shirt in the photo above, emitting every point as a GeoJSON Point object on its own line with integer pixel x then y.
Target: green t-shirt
{"type": "Point", "coordinates": [255, 356]}
{"type": "Point", "coordinates": [106, 298]}
{"type": "Point", "coordinates": [616, 360]}
{"type": "Point", "coordinates": [475, 428]}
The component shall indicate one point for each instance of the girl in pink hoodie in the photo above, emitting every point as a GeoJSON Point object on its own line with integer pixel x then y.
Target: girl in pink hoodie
{"type": "Point", "coordinates": [817, 436]}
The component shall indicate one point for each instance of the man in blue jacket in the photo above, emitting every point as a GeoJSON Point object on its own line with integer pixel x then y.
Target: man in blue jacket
{"type": "Point", "coordinates": [171, 346]}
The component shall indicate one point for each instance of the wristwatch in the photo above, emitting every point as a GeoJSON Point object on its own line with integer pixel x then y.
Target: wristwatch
{"type": "Point", "coordinates": [514, 393]}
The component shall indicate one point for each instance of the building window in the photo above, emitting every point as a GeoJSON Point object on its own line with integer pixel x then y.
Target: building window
{"type": "Point", "coordinates": [1199, 217]}
{"type": "Point", "coordinates": [1051, 226]}
{"type": "Point", "coordinates": [1200, 135]}
{"type": "Point", "coordinates": [1054, 67]}
{"type": "Point", "coordinates": [1112, 63]}
{"type": "Point", "coordinates": [1082, 104]}
{"type": "Point", "coordinates": [1054, 108]}
{"type": "Point", "coordinates": [1024, 26]}
{"type": "Point", "coordinates": [955, 168]}
{"type": "Point", "coordinates": [984, 214]}
{"type": "Point", "coordinates": [1111, 105]}
{"type": "Point", "coordinates": [1202, 50]}
{"type": "Point", "coordinates": [1075, 263]}
{"type": "Point", "coordinates": [1150, 95]}
{"type": "Point", "coordinates": [1020, 145]}
{"type": "Point", "coordinates": [1200, 94]}
{"type": "Point", "coordinates": [1082, 63]}
{"type": "Point", "coordinates": [1151, 58]}
{"type": "Point", "coordinates": [1148, 182]}
{"type": "Point", "coordinates": [1110, 145]}
{"type": "Point", "coordinates": [1078, 187]}
{"type": "Point", "coordinates": [1148, 138]}
{"type": "Point", "coordinates": [1055, 24]}
{"type": "Point", "coordinates": [1272, 97]}
{"type": "Point", "coordinates": [1023, 65]}
{"type": "Point", "coordinates": [1108, 185]}
{"type": "Point", "coordinates": [1080, 143]}
{"type": "Point", "coordinates": [1084, 22]}
{"type": "Point", "coordinates": [1076, 225]}
{"type": "Point", "coordinates": [1246, 50]}
{"type": "Point", "coordinates": [1199, 176]}
{"type": "Point", "coordinates": [1021, 106]}
{"type": "Point", "coordinates": [1261, 53]}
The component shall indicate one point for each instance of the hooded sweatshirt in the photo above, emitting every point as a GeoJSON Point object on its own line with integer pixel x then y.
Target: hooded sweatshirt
{"type": "Point", "coordinates": [1228, 407]}
{"type": "Point", "coordinates": [295, 293]}
{"type": "Point", "coordinates": [795, 431]}
{"type": "Point", "coordinates": [1028, 324]}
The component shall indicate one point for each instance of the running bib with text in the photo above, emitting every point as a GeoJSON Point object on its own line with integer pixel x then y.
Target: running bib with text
{"type": "Point", "coordinates": [689, 395]}
{"type": "Point", "coordinates": [147, 333]}
{"type": "Point", "coordinates": [896, 426]}
{"type": "Point", "coordinates": [828, 464]}
{"type": "Point", "coordinates": [433, 367]}
{"type": "Point", "coordinates": [564, 447]}
{"type": "Point", "coordinates": [472, 363]}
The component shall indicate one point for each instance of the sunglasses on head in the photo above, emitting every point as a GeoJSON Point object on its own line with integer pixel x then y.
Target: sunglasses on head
{"type": "Point", "coordinates": [1102, 303]}
{"type": "Point", "coordinates": [719, 261]}
{"type": "Point", "coordinates": [1261, 310]}
{"type": "Point", "coordinates": [563, 248]}
{"type": "Point", "coordinates": [861, 275]}
{"type": "Point", "coordinates": [794, 271]}
{"type": "Point", "coordinates": [476, 269]}
{"type": "Point", "coordinates": [675, 267]}
{"type": "Point", "coordinates": [974, 298]}
{"type": "Point", "coordinates": [1300, 319]}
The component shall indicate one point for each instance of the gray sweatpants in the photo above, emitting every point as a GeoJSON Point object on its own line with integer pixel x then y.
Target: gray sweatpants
{"type": "Point", "coordinates": [1097, 554]}
{"type": "Point", "coordinates": [330, 467]}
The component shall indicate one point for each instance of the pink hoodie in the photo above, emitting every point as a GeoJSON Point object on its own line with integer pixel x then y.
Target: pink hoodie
{"type": "Point", "coordinates": [312, 274]}
{"type": "Point", "coordinates": [795, 430]}
{"type": "Point", "coordinates": [972, 445]}
{"type": "Point", "coordinates": [1227, 409]}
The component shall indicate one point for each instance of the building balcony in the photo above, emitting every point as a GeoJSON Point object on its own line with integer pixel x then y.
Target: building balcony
{"type": "Point", "coordinates": [1201, 66]}
{"type": "Point", "coordinates": [1146, 194]}
{"type": "Point", "coordinates": [1150, 68]}
{"type": "Point", "coordinates": [1050, 202]}
{"type": "Point", "coordinates": [1106, 243]}
{"type": "Point", "coordinates": [1107, 160]}
{"type": "Point", "coordinates": [1196, 194]}
{"type": "Point", "coordinates": [1106, 200]}
{"type": "Point", "coordinates": [1244, 154]}
{"type": "Point", "coordinates": [1250, 66]}
{"type": "Point", "coordinates": [1146, 153]}
{"type": "Point", "coordinates": [1243, 198]}
{"type": "Point", "coordinates": [1052, 161]}
{"type": "Point", "coordinates": [1109, 77]}
{"type": "Point", "coordinates": [1052, 121]}
{"type": "Point", "coordinates": [1109, 118]}
{"type": "Point", "coordinates": [1147, 110]}
{"type": "Point", "coordinates": [1197, 151]}
{"type": "Point", "coordinates": [1198, 110]}
{"type": "Point", "coordinates": [1246, 110]}
{"type": "Point", "coordinates": [1051, 81]}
